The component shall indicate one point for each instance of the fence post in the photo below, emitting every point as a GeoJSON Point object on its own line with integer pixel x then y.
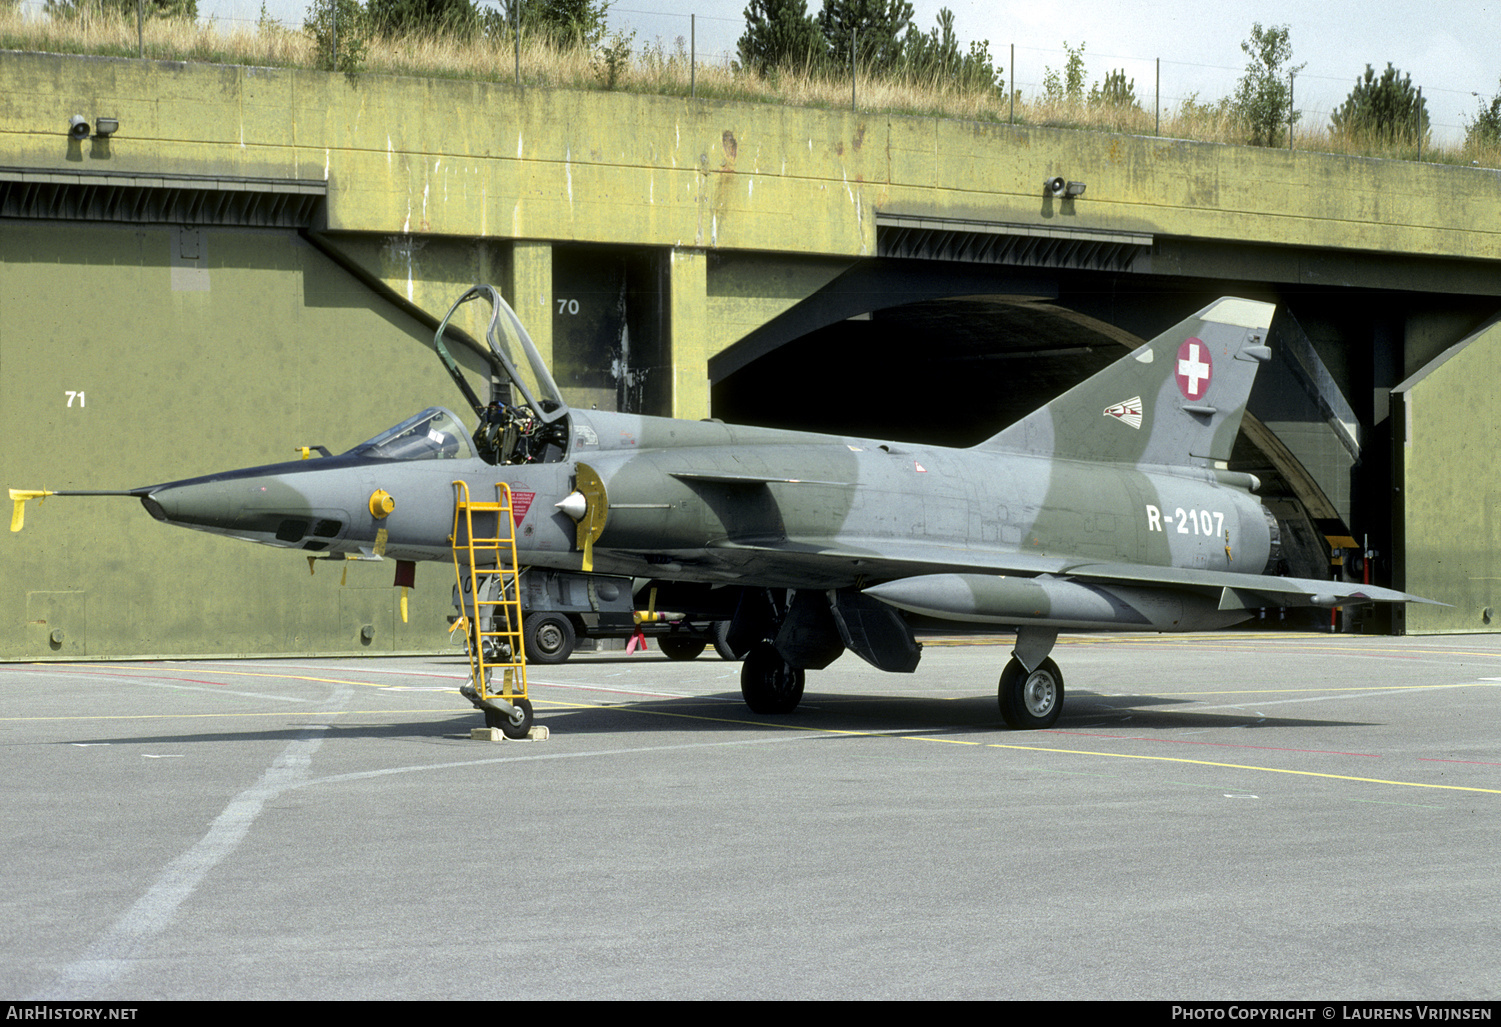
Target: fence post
{"type": "Point", "coordinates": [1418, 116]}
{"type": "Point", "coordinates": [854, 69]}
{"type": "Point", "coordinates": [692, 56]}
{"type": "Point", "coordinates": [1292, 108]}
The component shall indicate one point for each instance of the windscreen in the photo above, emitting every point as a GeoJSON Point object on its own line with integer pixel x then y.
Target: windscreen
{"type": "Point", "coordinates": [434, 434]}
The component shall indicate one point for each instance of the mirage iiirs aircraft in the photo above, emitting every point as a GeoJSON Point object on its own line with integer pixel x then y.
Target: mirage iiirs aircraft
{"type": "Point", "coordinates": [1109, 508]}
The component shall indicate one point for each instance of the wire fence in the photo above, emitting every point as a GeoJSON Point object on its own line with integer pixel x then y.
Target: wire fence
{"type": "Point", "coordinates": [1161, 86]}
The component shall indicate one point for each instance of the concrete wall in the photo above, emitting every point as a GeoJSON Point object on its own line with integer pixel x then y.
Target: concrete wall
{"type": "Point", "coordinates": [121, 364]}
{"type": "Point", "coordinates": [452, 158]}
{"type": "Point", "coordinates": [1450, 459]}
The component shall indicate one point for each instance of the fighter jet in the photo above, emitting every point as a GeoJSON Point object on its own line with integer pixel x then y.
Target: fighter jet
{"type": "Point", "coordinates": [1111, 507]}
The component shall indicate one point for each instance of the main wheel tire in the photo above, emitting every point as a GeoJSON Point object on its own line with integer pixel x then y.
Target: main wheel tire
{"type": "Point", "coordinates": [549, 638]}
{"type": "Point", "coordinates": [681, 648]}
{"type": "Point", "coordinates": [768, 683]}
{"type": "Point", "coordinates": [721, 634]}
{"type": "Point", "coordinates": [1030, 701]}
{"type": "Point", "coordinates": [512, 727]}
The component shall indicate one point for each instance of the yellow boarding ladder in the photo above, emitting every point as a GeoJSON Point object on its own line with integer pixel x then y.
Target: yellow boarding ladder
{"type": "Point", "coordinates": [492, 609]}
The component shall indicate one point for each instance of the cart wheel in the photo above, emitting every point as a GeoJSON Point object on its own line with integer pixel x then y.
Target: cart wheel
{"type": "Point", "coordinates": [512, 727]}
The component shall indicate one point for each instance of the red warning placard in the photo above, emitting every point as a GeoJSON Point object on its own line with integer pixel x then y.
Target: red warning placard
{"type": "Point", "coordinates": [521, 502]}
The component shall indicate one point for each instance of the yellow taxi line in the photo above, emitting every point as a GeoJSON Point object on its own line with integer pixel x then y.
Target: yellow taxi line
{"type": "Point", "coordinates": [1069, 752]}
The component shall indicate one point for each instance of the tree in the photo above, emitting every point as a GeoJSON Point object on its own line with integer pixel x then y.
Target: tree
{"type": "Point", "coordinates": [779, 34]}
{"type": "Point", "coordinates": [1115, 92]}
{"type": "Point", "coordinates": [561, 22]}
{"type": "Point", "coordinates": [581, 22]}
{"type": "Point", "coordinates": [1263, 97]}
{"type": "Point", "coordinates": [1386, 109]}
{"type": "Point", "coordinates": [612, 59]}
{"type": "Point", "coordinates": [1485, 130]}
{"type": "Point", "coordinates": [874, 26]}
{"type": "Point", "coordinates": [434, 17]}
{"type": "Point", "coordinates": [341, 33]}
{"type": "Point", "coordinates": [936, 55]}
{"type": "Point", "coordinates": [1070, 86]}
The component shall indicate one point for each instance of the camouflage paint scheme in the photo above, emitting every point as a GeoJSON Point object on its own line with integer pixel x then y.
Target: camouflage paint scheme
{"type": "Point", "coordinates": [1109, 508]}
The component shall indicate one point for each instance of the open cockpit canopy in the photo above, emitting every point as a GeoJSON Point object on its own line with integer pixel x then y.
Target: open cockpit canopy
{"type": "Point", "coordinates": [526, 418]}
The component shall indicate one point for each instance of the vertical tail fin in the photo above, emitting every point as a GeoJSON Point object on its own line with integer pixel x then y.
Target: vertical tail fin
{"type": "Point", "coordinates": [1175, 401]}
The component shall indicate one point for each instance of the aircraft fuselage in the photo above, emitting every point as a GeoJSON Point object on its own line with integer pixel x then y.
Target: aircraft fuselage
{"type": "Point", "coordinates": [1109, 508]}
{"type": "Point", "coordinates": [702, 501]}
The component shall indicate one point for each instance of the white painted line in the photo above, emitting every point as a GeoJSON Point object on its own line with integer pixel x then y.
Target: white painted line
{"type": "Point", "coordinates": [113, 953]}
{"type": "Point", "coordinates": [1257, 704]}
{"type": "Point", "coordinates": [365, 775]}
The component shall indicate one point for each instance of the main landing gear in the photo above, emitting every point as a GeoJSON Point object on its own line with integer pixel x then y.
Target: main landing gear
{"type": "Point", "coordinates": [768, 683]}
{"type": "Point", "coordinates": [1030, 699]}
{"type": "Point", "coordinates": [1030, 693]}
{"type": "Point", "coordinates": [1031, 688]}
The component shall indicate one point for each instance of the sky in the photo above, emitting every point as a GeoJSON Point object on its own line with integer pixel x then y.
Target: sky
{"type": "Point", "coordinates": [1451, 49]}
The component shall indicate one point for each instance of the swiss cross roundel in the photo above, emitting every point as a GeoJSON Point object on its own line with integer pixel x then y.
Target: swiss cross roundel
{"type": "Point", "coordinates": [1195, 368]}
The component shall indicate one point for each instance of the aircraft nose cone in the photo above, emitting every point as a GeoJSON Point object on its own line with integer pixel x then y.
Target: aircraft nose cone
{"type": "Point", "coordinates": [206, 505]}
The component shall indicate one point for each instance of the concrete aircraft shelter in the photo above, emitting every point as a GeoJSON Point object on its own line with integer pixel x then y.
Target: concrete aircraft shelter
{"type": "Point", "coordinates": [256, 258]}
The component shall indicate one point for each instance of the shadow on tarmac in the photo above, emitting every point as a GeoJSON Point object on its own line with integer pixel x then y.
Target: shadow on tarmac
{"type": "Point", "coordinates": [725, 713]}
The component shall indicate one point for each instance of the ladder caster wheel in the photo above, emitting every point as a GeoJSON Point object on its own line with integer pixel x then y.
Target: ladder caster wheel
{"type": "Point", "coordinates": [512, 728]}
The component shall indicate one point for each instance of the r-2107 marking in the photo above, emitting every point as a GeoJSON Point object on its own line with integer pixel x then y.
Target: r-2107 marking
{"type": "Point", "coordinates": [1189, 522]}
